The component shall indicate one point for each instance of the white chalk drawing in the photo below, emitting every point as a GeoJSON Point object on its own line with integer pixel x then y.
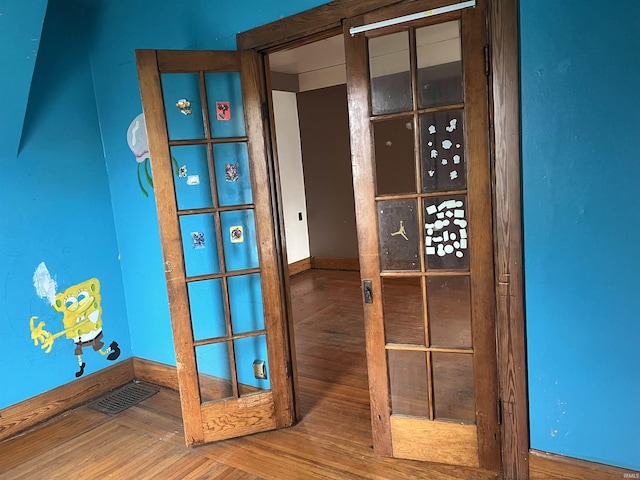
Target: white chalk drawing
{"type": "Point", "coordinates": [44, 284]}
{"type": "Point", "coordinates": [456, 159]}
{"type": "Point", "coordinates": [432, 129]}
{"type": "Point", "coordinates": [452, 125]}
{"type": "Point", "coordinates": [446, 144]}
{"type": "Point", "coordinates": [434, 153]}
{"type": "Point", "coordinates": [453, 174]}
{"type": "Point", "coordinates": [444, 161]}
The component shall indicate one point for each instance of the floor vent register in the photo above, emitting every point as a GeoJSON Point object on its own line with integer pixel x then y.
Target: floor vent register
{"type": "Point", "coordinates": [123, 397]}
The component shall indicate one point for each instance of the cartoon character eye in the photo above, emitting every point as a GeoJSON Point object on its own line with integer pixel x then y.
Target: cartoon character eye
{"type": "Point", "coordinates": [82, 295]}
{"type": "Point", "coordinates": [70, 302]}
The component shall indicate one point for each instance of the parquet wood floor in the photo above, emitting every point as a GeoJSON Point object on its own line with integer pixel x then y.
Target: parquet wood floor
{"type": "Point", "coordinates": [332, 441]}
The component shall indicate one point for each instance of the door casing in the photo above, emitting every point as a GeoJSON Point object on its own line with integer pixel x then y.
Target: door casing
{"type": "Point", "coordinates": [502, 16]}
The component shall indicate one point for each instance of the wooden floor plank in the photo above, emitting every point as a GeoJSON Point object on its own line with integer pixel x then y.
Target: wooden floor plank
{"type": "Point", "coordinates": [332, 441]}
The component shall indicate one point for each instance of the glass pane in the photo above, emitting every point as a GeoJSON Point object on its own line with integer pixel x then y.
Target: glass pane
{"type": "Point", "coordinates": [449, 307]}
{"type": "Point", "coordinates": [453, 390]}
{"type": "Point", "coordinates": [224, 97]}
{"type": "Point", "coordinates": [183, 106]}
{"type": "Point", "coordinates": [245, 299]}
{"type": "Point", "coordinates": [390, 71]}
{"type": "Point", "coordinates": [442, 151]}
{"type": "Point", "coordinates": [402, 304]}
{"type": "Point", "coordinates": [408, 383]}
{"type": "Point", "coordinates": [207, 309]}
{"type": "Point", "coordinates": [232, 174]}
{"type": "Point", "coordinates": [439, 64]}
{"type": "Point", "coordinates": [214, 371]}
{"type": "Point", "coordinates": [445, 223]}
{"type": "Point", "coordinates": [239, 239]}
{"type": "Point", "coordinates": [394, 154]}
{"type": "Point", "coordinates": [191, 177]}
{"type": "Point", "coordinates": [199, 244]}
{"type": "Point", "coordinates": [252, 363]}
{"type": "Point", "coordinates": [399, 245]}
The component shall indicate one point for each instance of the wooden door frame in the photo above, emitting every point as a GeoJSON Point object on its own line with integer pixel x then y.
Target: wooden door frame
{"type": "Point", "coordinates": [324, 21]}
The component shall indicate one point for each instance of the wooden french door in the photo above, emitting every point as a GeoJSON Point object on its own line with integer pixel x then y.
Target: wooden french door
{"type": "Point", "coordinates": [418, 113]}
{"type": "Point", "coordinates": [206, 141]}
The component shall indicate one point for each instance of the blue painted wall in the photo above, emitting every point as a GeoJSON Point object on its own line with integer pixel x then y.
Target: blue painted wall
{"type": "Point", "coordinates": [20, 30]}
{"type": "Point", "coordinates": [579, 104]}
{"type": "Point", "coordinates": [55, 208]}
{"type": "Point", "coordinates": [581, 169]}
{"type": "Point", "coordinates": [116, 30]}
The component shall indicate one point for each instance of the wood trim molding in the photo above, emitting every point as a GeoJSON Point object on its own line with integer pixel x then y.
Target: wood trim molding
{"type": "Point", "coordinates": [505, 92]}
{"type": "Point", "coordinates": [351, 264]}
{"type": "Point", "coordinates": [548, 466]}
{"type": "Point", "coordinates": [299, 266]}
{"type": "Point", "coordinates": [155, 372]}
{"type": "Point", "coordinates": [310, 22]}
{"type": "Point", "coordinates": [26, 414]}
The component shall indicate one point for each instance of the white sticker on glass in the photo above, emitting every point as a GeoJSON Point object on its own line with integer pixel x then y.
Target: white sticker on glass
{"type": "Point", "coordinates": [443, 236]}
{"type": "Point", "coordinates": [193, 180]}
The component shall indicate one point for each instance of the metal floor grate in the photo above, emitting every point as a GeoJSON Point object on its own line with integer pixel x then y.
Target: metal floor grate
{"type": "Point", "coordinates": [122, 398]}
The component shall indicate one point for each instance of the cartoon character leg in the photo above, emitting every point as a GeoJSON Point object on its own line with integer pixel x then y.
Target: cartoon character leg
{"type": "Point", "coordinates": [114, 351]}
{"type": "Point", "coordinates": [81, 364]}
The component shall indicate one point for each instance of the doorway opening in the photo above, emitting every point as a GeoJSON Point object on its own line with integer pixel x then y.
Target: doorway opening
{"type": "Point", "coordinates": [312, 139]}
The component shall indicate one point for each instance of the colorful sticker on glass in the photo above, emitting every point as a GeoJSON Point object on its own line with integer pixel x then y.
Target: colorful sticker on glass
{"type": "Point", "coordinates": [237, 234]}
{"type": "Point", "coordinates": [231, 172]}
{"type": "Point", "coordinates": [198, 240]}
{"type": "Point", "coordinates": [184, 106]}
{"type": "Point", "coordinates": [223, 111]}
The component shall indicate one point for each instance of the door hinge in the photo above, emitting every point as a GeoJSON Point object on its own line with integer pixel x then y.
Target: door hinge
{"type": "Point", "coordinates": [487, 64]}
{"type": "Point", "coordinates": [265, 110]}
{"type": "Point", "coordinates": [499, 411]}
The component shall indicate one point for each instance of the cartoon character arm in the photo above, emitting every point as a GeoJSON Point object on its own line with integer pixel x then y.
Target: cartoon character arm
{"type": "Point", "coordinates": [40, 335]}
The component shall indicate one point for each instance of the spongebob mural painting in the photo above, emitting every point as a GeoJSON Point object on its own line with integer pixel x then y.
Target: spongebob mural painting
{"type": "Point", "coordinates": [81, 317]}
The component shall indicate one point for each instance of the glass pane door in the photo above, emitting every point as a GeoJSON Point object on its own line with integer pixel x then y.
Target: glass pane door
{"type": "Point", "coordinates": [421, 173]}
{"type": "Point", "coordinates": [212, 194]}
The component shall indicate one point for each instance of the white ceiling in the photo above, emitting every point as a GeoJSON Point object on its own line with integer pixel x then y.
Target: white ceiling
{"type": "Point", "coordinates": [310, 57]}
{"type": "Point", "coordinates": [321, 64]}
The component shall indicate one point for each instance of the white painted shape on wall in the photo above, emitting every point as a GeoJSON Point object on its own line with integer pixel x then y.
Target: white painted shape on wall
{"type": "Point", "coordinates": [44, 284]}
{"type": "Point", "coordinates": [285, 110]}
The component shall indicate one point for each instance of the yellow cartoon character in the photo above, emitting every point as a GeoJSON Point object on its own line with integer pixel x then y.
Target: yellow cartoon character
{"type": "Point", "coordinates": [82, 322]}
